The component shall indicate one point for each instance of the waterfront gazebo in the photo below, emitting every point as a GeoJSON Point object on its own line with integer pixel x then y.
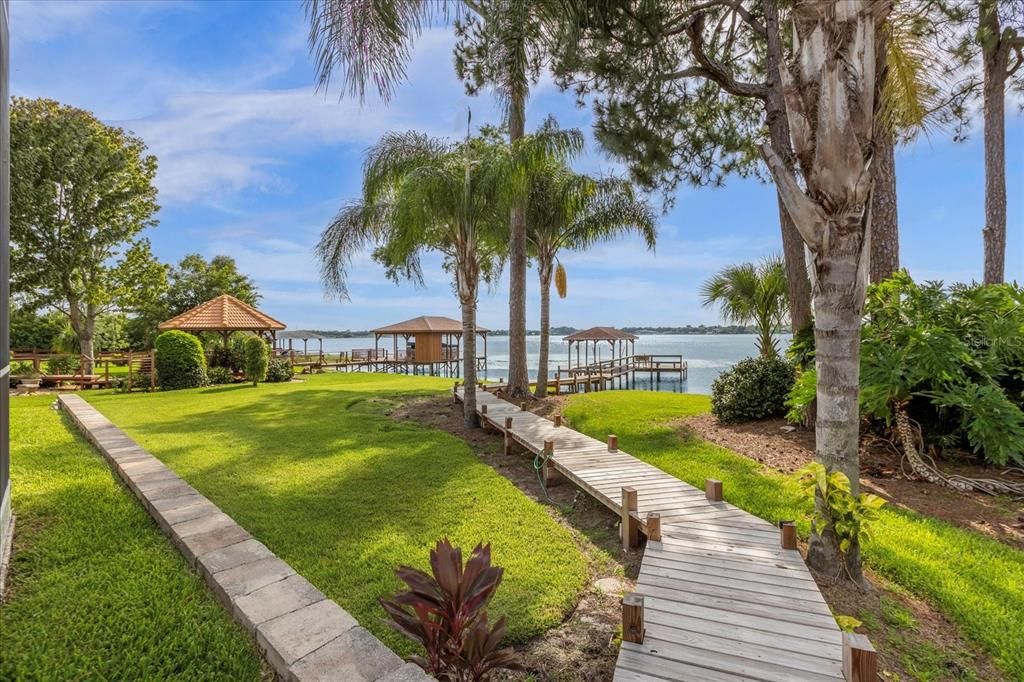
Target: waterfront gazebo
{"type": "Point", "coordinates": [432, 343]}
{"type": "Point", "coordinates": [621, 344]}
{"type": "Point", "coordinates": [223, 315]}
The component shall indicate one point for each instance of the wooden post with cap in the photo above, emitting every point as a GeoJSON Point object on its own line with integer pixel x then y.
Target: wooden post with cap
{"type": "Point", "coordinates": [860, 661]}
{"type": "Point", "coordinates": [551, 475]}
{"type": "Point", "coordinates": [653, 526]}
{"type": "Point", "coordinates": [713, 489]}
{"type": "Point", "coordinates": [630, 526]}
{"type": "Point", "coordinates": [613, 443]}
{"type": "Point", "coordinates": [787, 534]}
{"type": "Point", "coordinates": [508, 435]}
{"type": "Point", "coordinates": [558, 420]}
{"type": "Point", "coordinates": [633, 618]}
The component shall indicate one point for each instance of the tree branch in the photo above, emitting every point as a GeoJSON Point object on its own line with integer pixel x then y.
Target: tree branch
{"type": "Point", "coordinates": [715, 71]}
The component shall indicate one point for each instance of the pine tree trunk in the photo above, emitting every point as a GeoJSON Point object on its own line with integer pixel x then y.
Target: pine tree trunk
{"type": "Point", "coordinates": [995, 56]}
{"type": "Point", "coordinates": [545, 329]}
{"type": "Point", "coordinates": [518, 374]}
{"type": "Point", "coordinates": [778, 132]}
{"type": "Point", "coordinates": [885, 234]}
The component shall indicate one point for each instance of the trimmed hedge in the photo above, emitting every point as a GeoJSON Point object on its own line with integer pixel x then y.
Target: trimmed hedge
{"type": "Point", "coordinates": [180, 362]}
{"type": "Point", "coordinates": [755, 388]}
{"type": "Point", "coordinates": [256, 353]}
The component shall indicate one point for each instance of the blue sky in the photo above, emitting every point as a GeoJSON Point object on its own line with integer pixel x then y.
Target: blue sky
{"type": "Point", "coordinates": [253, 163]}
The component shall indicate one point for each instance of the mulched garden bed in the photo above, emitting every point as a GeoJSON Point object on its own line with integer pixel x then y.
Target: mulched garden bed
{"type": "Point", "coordinates": [772, 444]}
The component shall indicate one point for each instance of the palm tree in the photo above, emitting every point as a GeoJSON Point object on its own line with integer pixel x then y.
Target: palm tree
{"type": "Point", "coordinates": [569, 211]}
{"type": "Point", "coordinates": [501, 46]}
{"type": "Point", "coordinates": [752, 294]}
{"type": "Point", "coordinates": [428, 194]}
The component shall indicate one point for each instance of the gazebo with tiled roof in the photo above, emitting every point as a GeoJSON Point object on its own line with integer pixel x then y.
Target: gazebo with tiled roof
{"type": "Point", "coordinates": [618, 340]}
{"type": "Point", "coordinates": [225, 314]}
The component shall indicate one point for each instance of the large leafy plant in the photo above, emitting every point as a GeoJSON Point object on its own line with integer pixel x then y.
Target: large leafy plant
{"type": "Point", "coordinates": [849, 516]}
{"type": "Point", "coordinates": [446, 613]}
{"type": "Point", "coordinates": [953, 359]}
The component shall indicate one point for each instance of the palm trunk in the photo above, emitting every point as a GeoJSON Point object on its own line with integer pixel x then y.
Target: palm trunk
{"type": "Point", "coordinates": [467, 280]}
{"type": "Point", "coordinates": [469, 415]}
{"type": "Point", "coordinates": [995, 55]}
{"type": "Point", "coordinates": [885, 234]}
{"type": "Point", "coordinates": [778, 132]}
{"type": "Point", "coordinates": [838, 308]}
{"type": "Point", "coordinates": [544, 268]}
{"type": "Point", "coordinates": [518, 374]}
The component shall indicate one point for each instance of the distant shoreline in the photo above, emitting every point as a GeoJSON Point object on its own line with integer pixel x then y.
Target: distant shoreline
{"type": "Point", "coordinates": [689, 330]}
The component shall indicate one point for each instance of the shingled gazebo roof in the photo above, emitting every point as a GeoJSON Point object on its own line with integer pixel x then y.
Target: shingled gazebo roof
{"type": "Point", "coordinates": [426, 324]}
{"type": "Point", "coordinates": [601, 334]}
{"type": "Point", "coordinates": [222, 314]}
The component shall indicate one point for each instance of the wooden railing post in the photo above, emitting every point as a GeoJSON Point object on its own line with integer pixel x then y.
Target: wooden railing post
{"type": "Point", "coordinates": [630, 526]}
{"type": "Point", "coordinates": [787, 534]}
{"type": "Point", "coordinates": [633, 618]}
{"type": "Point", "coordinates": [558, 421]}
{"type": "Point", "coordinates": [613, 443]}
{"type": "Point", "coordinates": [860, 662]}
{"type": "Point", "coordinates": [551, 475]}
{"type": "Point", "coordinates": [508, 436]}
{"type": "Point", "coordinates": [713, 489]}
{"type": "Point", "coordinates": [653, 527]}
{"type": "Point", "coordinates": [455, 393]}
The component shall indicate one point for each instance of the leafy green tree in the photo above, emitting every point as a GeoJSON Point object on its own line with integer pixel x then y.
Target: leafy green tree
{"type": "Point", "coordinates": [195, 280]}
{"type": "Point", "coordinates": [81, 193]}
{"type": "Point", "coordinates": [752, 294]}
{"type": "Point", "coordinates": [192, 281]}
{"type": "Point", "coordinates": [567, 212]}
{"type": "Point", "coordinates": [502, 45]}
{"type": "Point", "coordinates": [29, 329]}
{"type": "Point", "coordinates": [428, 194]}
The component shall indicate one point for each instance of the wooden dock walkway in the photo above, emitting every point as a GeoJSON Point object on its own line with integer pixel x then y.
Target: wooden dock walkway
{"type": "Point", "coordinates": [722, 595]}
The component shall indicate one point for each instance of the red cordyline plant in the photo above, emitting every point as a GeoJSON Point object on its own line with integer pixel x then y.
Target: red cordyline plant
{"type": "Point", "coordinates": [446, 613]}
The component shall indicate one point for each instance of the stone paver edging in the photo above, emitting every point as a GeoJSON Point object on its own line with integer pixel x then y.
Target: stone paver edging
{"type": "Point", "coordinates": [304, 635]}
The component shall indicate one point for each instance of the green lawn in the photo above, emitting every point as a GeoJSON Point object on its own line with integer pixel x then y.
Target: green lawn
{"type": "Point", "coordinates": [976, 581]}
{"type": "Point", "coordinates": [96, 591]}
{"type": "Point", "coordinates": [320, 473]}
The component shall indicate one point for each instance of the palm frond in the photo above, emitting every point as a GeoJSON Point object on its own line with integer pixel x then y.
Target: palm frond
{"type": "Point", "coordinates": [368, 40]}
{"type": "Point", "coordinates": [912, 82]}
{"type": "Point", "coordinates": [353, 229]}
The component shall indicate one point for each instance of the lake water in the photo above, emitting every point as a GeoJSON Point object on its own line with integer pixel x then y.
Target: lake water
{"type": "Point", "coordinates": [706, 355]}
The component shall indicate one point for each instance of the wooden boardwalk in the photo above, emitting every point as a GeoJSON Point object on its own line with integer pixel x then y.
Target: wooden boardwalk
{"type": "Point", "coordinates": [722, 600]}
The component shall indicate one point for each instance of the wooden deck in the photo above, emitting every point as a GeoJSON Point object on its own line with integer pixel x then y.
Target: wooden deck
{"type": "Point", "coordinates": [722, 600]}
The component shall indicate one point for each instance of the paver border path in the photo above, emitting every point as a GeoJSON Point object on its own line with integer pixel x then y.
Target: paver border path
{"type": "Point", "coordinates": [305, 636]}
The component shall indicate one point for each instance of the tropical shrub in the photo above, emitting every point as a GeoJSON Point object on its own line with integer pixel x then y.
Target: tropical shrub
{"type": "Point", "coordinates": [953, 359]}
{"type": "Point", "coordinates": [446, 613]}
{"type": "Point", "coordinates": [801, 349]}
{"type": "Point", "coordinates": [180, 362]}
{"type": "Point", "coordinates": [279, 369]}
{"type": "Point", "coordinates": [231, 357]}
{"type": "Point", "coordinates": [256, 353]}
{"type": "Point", "coordinates": [849, 516]}
{"type": "Point", "coordinates": [23, 369]}
{"type": "Point", "coordinates": [754, 294]}
{"type": "Point", "coordinates": [63, 364]}
{"type": "Point", "coordinates": [219, 375]}
{"type": "Point", "coordinates": [755, 388]}
{"type": "Point", "coordinates": [801, 399]}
